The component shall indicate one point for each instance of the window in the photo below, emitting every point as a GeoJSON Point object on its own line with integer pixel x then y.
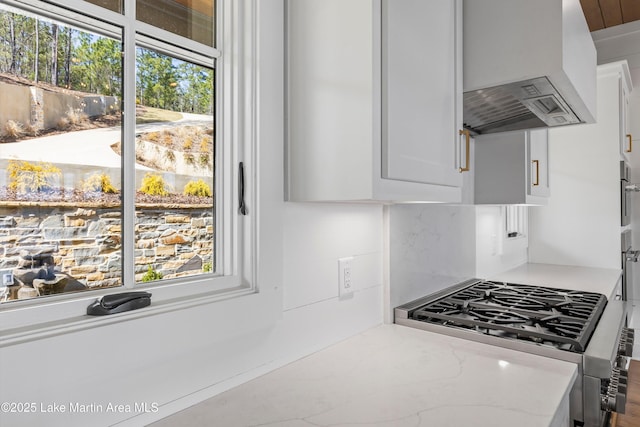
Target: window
{"type": "Point", "coordinates": [115, 5]}
{"type": "Point", "coordinates": [515, 221]}
{"type": "Point", "coordinates": [115, 172]}
{"type": "Point", "coordinates": [192, 19]}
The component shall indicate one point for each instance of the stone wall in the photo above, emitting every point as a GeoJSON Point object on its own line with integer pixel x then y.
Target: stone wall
{"type": "Point", "coordinates": [84, 243]}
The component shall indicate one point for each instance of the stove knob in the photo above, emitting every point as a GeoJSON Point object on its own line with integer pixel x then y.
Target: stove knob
{"type": "Point", "coordinates": [623, 373]}
{"type": "Point", "coordinates": [613, 402]}
{"type": "Point", "coordinates": [621, 402]}
{"type": "Point", "coordinates": [608, 402]}
{"type": "Point", "coordinates": [631, 333]}
{"type": "Point", "coordinates": [625, 346]}
{"type": "Point", "coordinates": [623, 381]}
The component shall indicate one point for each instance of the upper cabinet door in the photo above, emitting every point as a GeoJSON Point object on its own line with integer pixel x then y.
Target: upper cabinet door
{"type": "Point", "coordinates": [421, 91]}
{"type": "Point", "coordinates": [619, 97]}
{"type": "Point", "coordinates": [538, 165]}
{"type": "Point", "coordinates": [512, 168]}
{"type": "Point", "coordinates": [626, 141]}
{"type": "Point", "coordinates": [374, 100]}
{"type": "Point", "coordinates": [633, 112]}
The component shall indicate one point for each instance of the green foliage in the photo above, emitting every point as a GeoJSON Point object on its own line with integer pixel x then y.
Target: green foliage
{"type": "Point", "coordinates": [156, 77]}
{"type": "Point", "coordinates": [207, 267]}
{"type": "Point", "coordinates": [154, 185]}
{"type": "Point", "coordinates": [96, 64]}
{"type": "Point", "coordinates": [46, 51]}
{"type": "Point", "coordinates": [25, 177]}
{"type": "Point", "coordinates": [170, 156]}
{"type": "Point", "coordinates": [42, 50]}
{"type": "Point", "coordinates": [152, 136]}
{"type": "Point", "coordinates": [99, 182]}
{"type": "Point", "coordinates": [205, 141]}
{"type": "Point", "coordinates": [168, 83]}
{"type": "Point", "coordinates": [197, 188]}
{"type": "Point", "coordinates": [151, 275]}
{"type": "Point", "coordinates": [204, 159]}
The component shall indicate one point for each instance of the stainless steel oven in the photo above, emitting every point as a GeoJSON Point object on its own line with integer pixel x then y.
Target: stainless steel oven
{"type": "Point", "coordinates": [579, 327]}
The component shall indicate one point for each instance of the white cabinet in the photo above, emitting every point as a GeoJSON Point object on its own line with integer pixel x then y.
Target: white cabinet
{"type": "Point", "coordinates": [619, 72]}
{"type": "Point", "coordinates": [633, 114]}
{"type": "Point", "coordinates": [374, 100]}
{"type": "Point", "coordinates": [538, 163]}
{"type": "Point", "coordinates": [512, 168]}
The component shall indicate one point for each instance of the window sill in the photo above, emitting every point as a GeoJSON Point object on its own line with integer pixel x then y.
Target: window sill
{"type": "Point", "coordinates": [37, 331]}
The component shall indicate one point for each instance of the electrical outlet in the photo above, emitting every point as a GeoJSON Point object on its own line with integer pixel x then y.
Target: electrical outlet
{"type": "Point", "coordinates": [345, 278]}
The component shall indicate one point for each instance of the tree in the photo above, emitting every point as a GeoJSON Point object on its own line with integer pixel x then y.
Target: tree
{"type": "Point", "coordinates": [96, 65]}
{"type": "Point", "coordinates": [37, 51]}
{"type": "Point", "coordinates": [197, 82]}
{"type": "Point", "coordinates": [12, 39]}
{"type": "Point", "coordinates": [157, 80]}
{"type": "Point", "coordinates": [67, 59]}
{"type": "Point", "coordinates": [54, 54]}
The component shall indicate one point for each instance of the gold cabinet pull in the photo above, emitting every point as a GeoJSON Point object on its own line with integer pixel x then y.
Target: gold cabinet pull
{"type": "Point", "coordinates": [467, 136]}
{"type": "Point", "coordinates": [630, 148]}
{"type": "Point", "coordinates": [537, 181]}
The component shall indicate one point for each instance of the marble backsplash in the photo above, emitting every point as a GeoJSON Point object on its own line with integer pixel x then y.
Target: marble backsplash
{"type": "Point", "coordinates": [430, 247]}
{"type": "Point", "coordinates": [435, 246]}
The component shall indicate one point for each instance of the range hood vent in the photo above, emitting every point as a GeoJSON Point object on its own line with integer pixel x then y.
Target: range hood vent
{"type": "Point", "coordinates": [524, 105]}
{"type": "Point", "coordinates": [536, 69]}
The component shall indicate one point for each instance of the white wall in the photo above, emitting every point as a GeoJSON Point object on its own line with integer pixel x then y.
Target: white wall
{"type": "Point", "coordinates": [316, 236]}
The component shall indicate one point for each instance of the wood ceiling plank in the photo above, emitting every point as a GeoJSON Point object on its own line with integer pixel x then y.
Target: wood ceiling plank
{"type": "Point", "coordinates": [593, 15]}
{"type": "Point", "coordinates": [630, 10]}
{"type": "Point", "coordinates": [611, 12]}
{"type": "Point", "coordinates": [205, 7]}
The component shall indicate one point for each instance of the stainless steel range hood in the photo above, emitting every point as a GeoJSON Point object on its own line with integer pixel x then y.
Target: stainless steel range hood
{"type": "Point", "coordinates": [527, 65]}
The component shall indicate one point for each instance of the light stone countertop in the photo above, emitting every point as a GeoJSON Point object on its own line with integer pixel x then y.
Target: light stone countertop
{"type": "Point", "coordinates": [600, 280]}
{"type": "Point", "coordinates": [395, 376]}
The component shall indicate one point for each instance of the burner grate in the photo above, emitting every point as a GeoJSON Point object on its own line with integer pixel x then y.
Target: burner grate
{"type": "Point", "coordinates": [556, 317]}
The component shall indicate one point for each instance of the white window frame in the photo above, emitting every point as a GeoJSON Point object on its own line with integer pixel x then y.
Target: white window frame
{"type": "Point", "coordinates": [237, 104]}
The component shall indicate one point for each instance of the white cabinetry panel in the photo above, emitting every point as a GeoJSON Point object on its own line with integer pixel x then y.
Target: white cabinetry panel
{"type": "Point", "coordinates": [369, 115]}
{"type": "Point", "coordinates": [420, 119]}
{"type": "Point", "coordinates": [538, 164]}
{"type": "Point", "coordinates": [512, 168]}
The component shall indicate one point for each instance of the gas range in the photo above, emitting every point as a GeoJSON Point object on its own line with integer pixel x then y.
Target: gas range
{"type": "Point", "coordinates": [579, 327]}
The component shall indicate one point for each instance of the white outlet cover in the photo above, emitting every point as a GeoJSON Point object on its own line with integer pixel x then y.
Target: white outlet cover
{"type": "Point", "coordinates": [345, 277]}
